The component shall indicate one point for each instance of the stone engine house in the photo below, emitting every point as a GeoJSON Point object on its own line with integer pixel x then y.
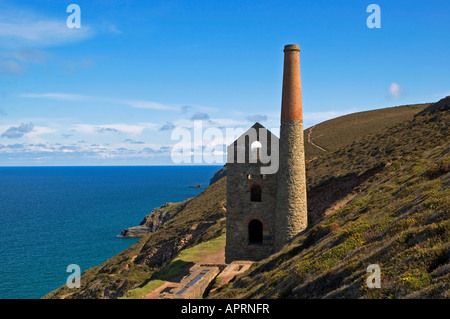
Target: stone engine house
{"type": "Point", "coordinates": [265, 211]}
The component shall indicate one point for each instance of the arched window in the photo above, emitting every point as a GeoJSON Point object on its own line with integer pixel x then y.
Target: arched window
{"type": "Point", "coordinates": [255, 193]}
{"type": "Point", "coordinates": [255, 149]}
{"type": "Point", "coordinates": [255, 145]}
{"type": "Point", "coordinates": [255, 232]}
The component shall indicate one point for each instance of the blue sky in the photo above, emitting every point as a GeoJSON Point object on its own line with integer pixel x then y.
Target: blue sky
{"type": "Point", "coordinates": [113, 91]}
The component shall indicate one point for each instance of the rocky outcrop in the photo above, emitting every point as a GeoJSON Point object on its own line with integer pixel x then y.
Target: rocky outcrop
{"type": "Point", "coordinates": [136, 231]}
{"type": "Point", "coordinates": [219, 175]}
{"type": "Point", "coordinates": [154, 220]}
{"type": "Point", "coordinates": [439, 106]}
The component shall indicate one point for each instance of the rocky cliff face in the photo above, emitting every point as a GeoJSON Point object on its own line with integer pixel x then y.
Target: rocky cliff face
{"type": "Point", "coordinates": [219, 175]}
{"type": "Point", "coordinates": [154, 220]}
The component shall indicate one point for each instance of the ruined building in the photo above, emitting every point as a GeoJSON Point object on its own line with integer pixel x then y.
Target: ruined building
{"type": "Point", "coordinates": [266, 209]}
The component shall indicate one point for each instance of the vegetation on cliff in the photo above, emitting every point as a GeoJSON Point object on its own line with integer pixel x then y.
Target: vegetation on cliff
{"type": "Point", "coordinates": [395, 188]}
{"type": "Point", "coordinates": [154, 221]}
{"type": "Point", "coordinates": [380, 198]}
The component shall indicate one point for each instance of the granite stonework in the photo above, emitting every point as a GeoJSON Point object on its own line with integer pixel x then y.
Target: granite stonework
{"type": "Point", "coordinates": [241, 210]}
{"type": "Point", "coordinates": [265, 211]}
{"type": "Point", "coordinates": [291, 192]}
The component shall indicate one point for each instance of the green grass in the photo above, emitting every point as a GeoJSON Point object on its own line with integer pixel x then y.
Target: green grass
{"type": "Point", "coordinates": [202, 250]}
{"type": "Point", "coordinates": [190, 256]}
{"type": "Point", "coordinates": [141, 292]}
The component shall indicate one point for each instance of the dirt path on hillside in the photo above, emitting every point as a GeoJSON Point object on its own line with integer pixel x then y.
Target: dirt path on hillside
{"type": "Point", "coordinates": [311, 142]}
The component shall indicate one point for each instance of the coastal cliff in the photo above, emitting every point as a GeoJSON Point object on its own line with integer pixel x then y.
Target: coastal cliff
{"type": "Point", "coordinates": [153, 221]}
{"type": "Point", "coordinates": [380, 198]}
{"type": "Point", "coordinates": [219, 174]}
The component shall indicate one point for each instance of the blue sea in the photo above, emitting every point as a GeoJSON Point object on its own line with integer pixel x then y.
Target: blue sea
{"type": "Point", "coordinates": [51, 217]}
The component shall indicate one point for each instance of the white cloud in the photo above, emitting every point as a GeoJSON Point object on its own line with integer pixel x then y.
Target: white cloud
{"type": "Point", "coordinates": [39, 130]}
{"type": "Point", "coordinates": [57, 96]}
{"type": "Point", "coordinates": [18, 131]}
{"type": "Point", "coordinates": [23, 32]}
{"type": "Point", "coordinates": [118, 127]}
{"type": "Point", "coordinates": [145, 104]}
{"type": "Point", "coordinates": [395, 90]}
{"type": "Point", "coordinates": [19, 28]}
{"type": "Point", "coordinates": [141, 104]}
{"type": "Point", "coordinates": [167, 127]}
{"type": "Point", "coordinates": [129, 129]}
{"type": "Point", "coordinates": [26, 132]}
{"type": "Point", "coordinates": [36, 135]}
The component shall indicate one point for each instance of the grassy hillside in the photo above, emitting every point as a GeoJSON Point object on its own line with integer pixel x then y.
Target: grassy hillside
{"type": "Point", "coordinates": [381, 198]}
{"type": "Point", "coordinates": [336, 133]}
{"type": "Point", "coordinates": [395, 213]}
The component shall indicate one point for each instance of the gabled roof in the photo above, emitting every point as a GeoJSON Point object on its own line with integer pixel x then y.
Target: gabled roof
{"type": "Point", "coordinates": [243, 143]}
{"type": "Point", "coordinates": [257, 126]}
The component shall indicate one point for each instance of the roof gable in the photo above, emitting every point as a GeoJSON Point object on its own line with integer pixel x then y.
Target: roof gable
{"type": "Point", "coordinates": [240, 150]}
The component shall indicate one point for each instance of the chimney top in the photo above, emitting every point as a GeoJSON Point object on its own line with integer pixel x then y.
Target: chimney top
{"type": "Point", "coordinates": [291, 100]}
{"type": "Point", "coordinates": [291, 47]}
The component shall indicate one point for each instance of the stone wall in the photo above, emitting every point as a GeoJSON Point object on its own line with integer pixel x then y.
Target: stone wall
{"type": "Point", "coordinates": [187, 289]}
{"type": "Point", "coordinates": [291, 206]}
{"type": "Point", "coordinates": [241, 210]}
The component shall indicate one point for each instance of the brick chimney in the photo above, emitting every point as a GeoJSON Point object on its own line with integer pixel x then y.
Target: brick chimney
{"type": "Point", "coordinates": [291, 212]}
{"type": "Point", "coordinates": [291, 99]}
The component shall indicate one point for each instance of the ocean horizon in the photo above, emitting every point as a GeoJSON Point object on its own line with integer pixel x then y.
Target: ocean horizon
{"type": "Point", "coordinates": [54, 216]}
